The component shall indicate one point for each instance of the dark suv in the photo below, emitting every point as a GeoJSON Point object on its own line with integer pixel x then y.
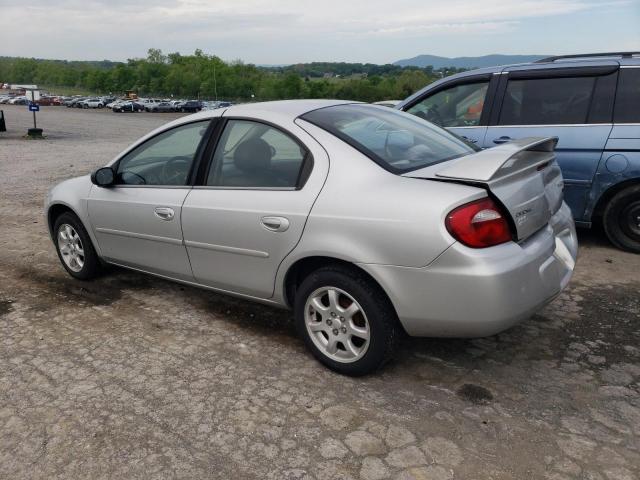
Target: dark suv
{"type": "Point", "coordinates": [191, 106]}
{"type": "Point", "coordinates": [590, 102]}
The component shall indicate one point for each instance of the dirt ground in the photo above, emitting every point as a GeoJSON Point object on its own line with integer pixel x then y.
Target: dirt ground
{"type": "Point", "coordinates": [133, 377]}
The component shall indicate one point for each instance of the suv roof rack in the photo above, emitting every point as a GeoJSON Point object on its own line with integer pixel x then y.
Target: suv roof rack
{"type": "Point", "coordinates": [588, 55]}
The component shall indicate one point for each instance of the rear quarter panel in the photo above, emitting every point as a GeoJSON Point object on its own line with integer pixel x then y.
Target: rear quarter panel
{"type": "Point", "coordinates": [365, 214]}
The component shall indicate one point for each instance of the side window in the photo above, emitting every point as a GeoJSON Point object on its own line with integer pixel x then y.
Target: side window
{"type": "Point", "coordinates": [252, 154]}
{"type": "Point", "coordinates": [165, 159]}
{"type": "Point", "coordinates": [627, 109]}
{"type": "Point", "coordinates": [459, 106]}
{"type": "Point", "coordinates": [547, 101]}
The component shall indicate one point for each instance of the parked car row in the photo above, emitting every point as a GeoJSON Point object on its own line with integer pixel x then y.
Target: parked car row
{"type": "Point", "coordinates": [120, 104]}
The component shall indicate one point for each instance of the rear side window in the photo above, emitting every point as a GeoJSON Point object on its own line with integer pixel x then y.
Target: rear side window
{"type": "Point", "coordinates": [256, 155]}
{"type": "Point", "coordinates": [547, 101]}
{"type": "Point", "coordinates": [627, 109]}
{"type": "Point", "coordinates": [397, 141]}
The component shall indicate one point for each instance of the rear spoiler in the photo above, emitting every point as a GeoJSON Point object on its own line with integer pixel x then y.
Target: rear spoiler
{"type": "Point", "coordinates": [500, 161]}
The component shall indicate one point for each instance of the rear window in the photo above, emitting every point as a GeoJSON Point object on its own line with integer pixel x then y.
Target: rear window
{"type": "Point", "coordinates": [397, 141]}
{"type": "Point", "coordinates": [627, 108]}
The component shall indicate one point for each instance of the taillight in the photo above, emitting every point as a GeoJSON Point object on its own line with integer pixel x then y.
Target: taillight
{"type": "Point", "coordinates": [478, 224]}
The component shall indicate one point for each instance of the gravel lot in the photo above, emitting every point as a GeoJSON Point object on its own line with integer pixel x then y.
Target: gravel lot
{"type": "Point", "coordinates": [134, 377]}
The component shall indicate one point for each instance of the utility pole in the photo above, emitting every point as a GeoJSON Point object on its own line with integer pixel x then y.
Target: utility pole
{"type": "Point", "coordinates": [215, 83]}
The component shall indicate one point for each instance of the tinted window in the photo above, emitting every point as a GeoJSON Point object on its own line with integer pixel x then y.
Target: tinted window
{"type": "Point", "coordinates": [602, 102]}
{"type": "Point", "coordinates": [252, 154]}
{"type": "Point", "coordinates": [395, 140]}
{"type": "Point", "coordinates": [165, 159]}
{"type": "Point", "coordinates": [627, 108]}
{"type": "Point", "coordinates": [459, 106]}
{"type": "Point", "coordinates": [547, 101]}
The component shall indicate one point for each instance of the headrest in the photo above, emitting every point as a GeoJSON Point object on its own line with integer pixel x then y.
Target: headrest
{"type": "Point", "coordinates": [252, 154]}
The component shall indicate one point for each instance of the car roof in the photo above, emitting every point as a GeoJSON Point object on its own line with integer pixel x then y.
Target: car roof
{"type": "Point", "coordinates": [284, 111]}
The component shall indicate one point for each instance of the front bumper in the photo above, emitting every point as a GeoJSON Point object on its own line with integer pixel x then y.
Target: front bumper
{"type": "Point", "coordinates": [469, 292]}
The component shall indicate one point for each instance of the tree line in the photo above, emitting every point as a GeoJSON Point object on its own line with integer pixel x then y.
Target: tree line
{"type": "Point", "coordinates": [208, 77]}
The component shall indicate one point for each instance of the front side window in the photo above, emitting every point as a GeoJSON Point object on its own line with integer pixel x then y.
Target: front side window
{"type": "Point", "coordinates": [395, 140]}
{"type": "Point", "coordinates": [165, 159]}
{"type": "Point", "coordinates": [459, 106]}
{"type": "Point", "coordinates": [627, 108]}
{"type": "Point", "coordinates": [256, 155]}
{"type": "Point", "coordinates": [547, 101]}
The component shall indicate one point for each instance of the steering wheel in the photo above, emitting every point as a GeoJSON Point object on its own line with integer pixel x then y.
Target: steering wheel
{"type": "Point", "coordinates": [175, 170]}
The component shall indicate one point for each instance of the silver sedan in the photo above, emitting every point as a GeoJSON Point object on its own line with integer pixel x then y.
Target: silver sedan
{"type": "Point", "coordinates": [368, 222]}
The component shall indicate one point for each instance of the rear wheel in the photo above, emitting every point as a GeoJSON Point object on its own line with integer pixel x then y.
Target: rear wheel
{"type": "Point", "coordinates": [346, 320]}
{"type": "Point", "coordinates": [622, 219]}
{"type": "Point", "coordinates": [74, 248]}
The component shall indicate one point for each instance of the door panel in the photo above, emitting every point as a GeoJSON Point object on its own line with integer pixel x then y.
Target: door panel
{"type": "Point", "coordinates": [233, 243]}
{"type": "Point", "coordinates": [131, 232]}
{"type": "Point", "coordinates": [239, 228]}
{"type": "Point", "coordinates": [474, 135]}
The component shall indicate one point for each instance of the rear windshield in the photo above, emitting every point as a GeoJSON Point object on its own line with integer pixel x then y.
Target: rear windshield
{"type": "Point", "coordinates": [397, 141]}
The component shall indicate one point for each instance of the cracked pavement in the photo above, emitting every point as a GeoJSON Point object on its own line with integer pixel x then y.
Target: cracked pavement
{"type": "Point", "coordinates": [134, 377]}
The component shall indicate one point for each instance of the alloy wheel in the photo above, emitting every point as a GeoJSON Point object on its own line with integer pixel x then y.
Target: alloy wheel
{"type": "Point", "coordinates": [70, 246]}
{"type": "Point", "coordinates": [337, 324]}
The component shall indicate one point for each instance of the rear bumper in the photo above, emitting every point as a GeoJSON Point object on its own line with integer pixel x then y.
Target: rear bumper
{"type": "Point", "coordinates": [473, 293]}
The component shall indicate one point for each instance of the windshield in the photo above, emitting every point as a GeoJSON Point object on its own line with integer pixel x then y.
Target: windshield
{"type": "Point", "coordinates": [397, 141]}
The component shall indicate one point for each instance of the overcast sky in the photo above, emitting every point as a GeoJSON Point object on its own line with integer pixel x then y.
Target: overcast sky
{"type": "Point", "coordinates": [291, 31]}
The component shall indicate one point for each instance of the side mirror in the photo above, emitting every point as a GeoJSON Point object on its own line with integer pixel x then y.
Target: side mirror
{"type": "Point", "coordinates": [103, 177]}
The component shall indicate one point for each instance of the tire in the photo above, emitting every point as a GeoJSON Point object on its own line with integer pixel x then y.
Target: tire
{"type": "Point", "coordinates": [90, 267]}
{"type": "Point", "coordinates": [373, 314]}
{"type": "Point", "coordinates": [621, 219]}
{"type": "Point", "coordinates": [100, 105]}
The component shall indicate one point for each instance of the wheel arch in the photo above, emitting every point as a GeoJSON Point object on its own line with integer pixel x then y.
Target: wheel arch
{"type": "Point", "coordinates": [302, 267]}
{"type": "Point", "coordinates": [608, 194]}
{"type": "Point", "coordinates": [57, 209]}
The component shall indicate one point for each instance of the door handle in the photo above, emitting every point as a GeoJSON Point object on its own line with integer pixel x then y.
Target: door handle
{"type": "Point", "coordinates": [503, 139]}
{"type": "Point", "coordinates": [164, 213]}
{"type": "Point", "coordinates": [275, 224]}
{"type": "Point", "coordinates": [471, 140]}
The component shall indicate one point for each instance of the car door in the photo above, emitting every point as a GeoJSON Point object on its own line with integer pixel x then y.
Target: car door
{"type": "Point", "coordinates": [137, 221]}
{"type": "Point", "coordinates": [252, 206]}
{"type": "Point", "coordinates": [573, 103]}
{"type": "Point", "coordinates": [461, 106]}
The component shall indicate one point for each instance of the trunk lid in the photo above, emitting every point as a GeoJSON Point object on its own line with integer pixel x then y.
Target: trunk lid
{"type": "Point", "coordinates": [522, 175]}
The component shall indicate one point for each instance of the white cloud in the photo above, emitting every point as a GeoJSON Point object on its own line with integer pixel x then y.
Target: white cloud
{"type": "Point", "coordinates": [275, 31]}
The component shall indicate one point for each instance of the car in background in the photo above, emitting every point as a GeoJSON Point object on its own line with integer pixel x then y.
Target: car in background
{"type": "Point", "coordinates": [162, 107]}
{"type": "Point", "coordinates": [48, 101]}
{"type": "Point", "coordinates": [127, 106]}
{"type": "Point", "coordinates": [18, 101]}
{"type": "Point", "coordinates": [149, 103]}
{"type": "Point", "coordinates": [93, 103]}
{"type": "Point", "coordinates": [591, 102]}
{"type": "Point", "coordinates": [364, 220]}
{"type": "Point", "coordinates": [77, 102]}
{"type": "Point", "coordinates": [191, 106]}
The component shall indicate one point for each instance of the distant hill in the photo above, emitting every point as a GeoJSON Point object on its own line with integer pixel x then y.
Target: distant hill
{"type": "Point", "coordinates": [466, 62]}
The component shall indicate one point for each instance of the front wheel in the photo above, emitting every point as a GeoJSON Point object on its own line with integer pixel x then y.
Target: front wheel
{"type": "Point", "coordinates": [74, 248]}
{"type": "Point", "coordinates": [622, 219]}
{"type": "Point", "coordinates": [346, 320]}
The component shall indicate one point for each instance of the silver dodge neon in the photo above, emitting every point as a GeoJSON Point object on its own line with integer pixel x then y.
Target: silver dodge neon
{"type": "Point", "coordinates": [366, 221]}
